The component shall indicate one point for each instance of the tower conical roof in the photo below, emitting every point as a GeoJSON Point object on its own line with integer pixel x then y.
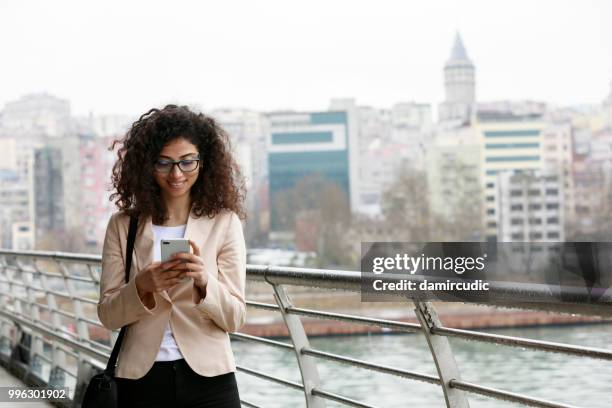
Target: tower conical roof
{"type": "Point", "coordinates": [458, 52]}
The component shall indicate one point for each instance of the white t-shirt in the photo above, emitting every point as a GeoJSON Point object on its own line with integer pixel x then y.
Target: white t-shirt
{"type": "Point", "coordinates": [169, 350]}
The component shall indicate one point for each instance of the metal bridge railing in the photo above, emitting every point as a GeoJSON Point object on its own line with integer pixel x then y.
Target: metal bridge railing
{"type": "Point", "coordinates": [50, 335]}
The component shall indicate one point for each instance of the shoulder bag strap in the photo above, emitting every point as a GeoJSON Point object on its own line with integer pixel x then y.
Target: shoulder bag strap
{"type": "Point", "coordinates": [112, 361]}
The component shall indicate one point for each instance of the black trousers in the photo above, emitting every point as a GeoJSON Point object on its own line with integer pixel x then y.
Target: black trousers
{"type": "Point", "coordinates": [175, 384]}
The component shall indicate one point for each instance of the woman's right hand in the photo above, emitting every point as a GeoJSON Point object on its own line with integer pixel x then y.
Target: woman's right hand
{"type": "Point", "coordinates": [156, 277]}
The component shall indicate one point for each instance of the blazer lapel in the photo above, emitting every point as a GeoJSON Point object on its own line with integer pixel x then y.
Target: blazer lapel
{"type": "Point", "coordinates": [143, 248]}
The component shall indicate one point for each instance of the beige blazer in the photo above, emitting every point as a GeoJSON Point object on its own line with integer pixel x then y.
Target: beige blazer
{"type": "Point", "coordinates": [200, 326]}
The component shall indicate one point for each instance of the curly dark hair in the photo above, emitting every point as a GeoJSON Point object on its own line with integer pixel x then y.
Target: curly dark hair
{"type": "Point", "coordinates": [219, 186]}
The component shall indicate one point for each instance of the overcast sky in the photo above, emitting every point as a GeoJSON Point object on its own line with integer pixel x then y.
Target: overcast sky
{"type": "Point", "coordinates": [128, 56]}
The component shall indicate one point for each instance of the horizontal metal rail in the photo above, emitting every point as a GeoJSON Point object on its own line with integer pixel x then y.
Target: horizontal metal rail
{"type": "Point", "coordinates": [518, 295]}
{"type": "Point", "coordinates": [338, 398]}
{"type": "Point", "coordinates": [249, 404]}
{"type": "Point", "coordinates": [248, 337]}
{"type": "Point", "coordinates": [77, 346]}
{"type": "Point", "coordinates": [265, 306]}
{"type": "Point", "coordinates": [268, 377]}
{"type": "Point", "coordinates": [57, 256]}
{"type": "Point", "coordinates": [372, 366]}
{"type": "Point", "coordinates": [553, 347]}
{"type": "Point", "coordinates": [506, 396]}
{"type": "Point", "coordinates": [48, 291]}
{"type": "Point", "coordinates": [61, 339]}
{"type": "Point", "coordinates": [390, 324]}
{"type": "Point", "coordinates": [322, 393]}
{"type": "Point", "coordinates": [549, 346]}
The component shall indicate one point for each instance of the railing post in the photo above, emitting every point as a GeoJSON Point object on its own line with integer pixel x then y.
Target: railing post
{"type": "Point", "coordinates": [307, 364]}
{"type": "Point", "coordinates": [58, 356]}
{"type": "Point", "coordinates": [442, 354]}
{"type": "Point", "coordinates": [5, 327]}
{"type": "Point", "coordinates": [37, 347]}
{"type": "Point", "coordinates": [79, 324]}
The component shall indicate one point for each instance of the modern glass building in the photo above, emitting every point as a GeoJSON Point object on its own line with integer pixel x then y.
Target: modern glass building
{"type": "Point", "coordinates": [307, 144]}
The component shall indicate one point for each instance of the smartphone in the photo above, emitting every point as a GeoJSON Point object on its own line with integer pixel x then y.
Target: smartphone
{"type": "Point", "coordinates": [171, 246]}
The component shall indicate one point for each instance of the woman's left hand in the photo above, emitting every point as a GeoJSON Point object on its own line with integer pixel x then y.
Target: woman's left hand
{"type": "Point", "coordinates": [194, 267]}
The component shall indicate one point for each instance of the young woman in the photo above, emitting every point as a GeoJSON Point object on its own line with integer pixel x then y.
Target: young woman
{"type": "Point", "coordinates": [175, 172]}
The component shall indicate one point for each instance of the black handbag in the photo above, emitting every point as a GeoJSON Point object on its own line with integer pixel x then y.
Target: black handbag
{"type": "Point", "coordinates": [102, 389]}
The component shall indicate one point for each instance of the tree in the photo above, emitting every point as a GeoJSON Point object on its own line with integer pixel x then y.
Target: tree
{"type": "Point", "coordinates": [406, 207]}
{"type": "Point", "coordinates": [464, 220]}
{"type": "Point", "coordinates": [71, 240]}
{"type": "Point", "coordinates": [323, 207]}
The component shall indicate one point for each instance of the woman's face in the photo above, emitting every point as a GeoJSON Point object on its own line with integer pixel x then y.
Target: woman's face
{"type": "Point", "coordinates": [173, 181]}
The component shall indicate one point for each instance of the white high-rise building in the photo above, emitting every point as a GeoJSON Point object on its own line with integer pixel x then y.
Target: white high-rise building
{"type": "Point", "coordinates": [103, 125]}
{"type": "Point", "coordinates": [509, 144]}
{"type": "Point", "coordinates": [459, 85]}
{"type": "Point", "coordinates": [558, 158]}
{"type": "Point", "coordinates": [412, 128]}
{"type": "Point", "coordinates": [410, 115]}
{"type": "Point", "coordinates": [37, 114]}
{"type": "Point", "coordinates": [529, 207]}
{"type": "Point", "coordinates": [454, 175]}
{"type": "Point", "coordinates": [8, 159]}
{"type": "Point", "coordinates": [608, 107]}
{"type": "Point", "coordinates": [247, 131]}
{"type": "Point", "coordinates": [513, 108]}
{"type": "Point", "coordinates": [349, 106]}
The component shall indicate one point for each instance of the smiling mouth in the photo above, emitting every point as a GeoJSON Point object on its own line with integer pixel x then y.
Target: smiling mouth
{"type": "Point", "coordinates": [176, 185]}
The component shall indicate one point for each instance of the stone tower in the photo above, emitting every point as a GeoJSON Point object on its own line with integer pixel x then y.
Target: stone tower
{"type": "Point", "coordinates": [459, 85]}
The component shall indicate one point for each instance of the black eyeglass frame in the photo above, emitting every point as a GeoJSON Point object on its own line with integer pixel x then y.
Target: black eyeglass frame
{"type": "Point", "coordinates": [176, 163]}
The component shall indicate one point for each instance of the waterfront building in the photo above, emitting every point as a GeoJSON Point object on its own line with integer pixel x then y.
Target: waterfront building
{"type": "Point", "coordinates": [71, 191]}
{"type": "Point", "coordinates": [509, 143]}
{"type": "Point", "coordinates": [454, 177]}
{"type": "Point", "coordinates": [592, 177]}
{"type": "Point", "coordinates": [22, 236]}
{"type": "Point", "coordinates": [411, 116]}
{"type": "Point", "coordinates": [350, 108]}
{"type": "Point", "coordinates": [530, 206]}
{"type": "Point", "coordinates": [247, 132]}
{"type": "Point", "coordinates": [381, 165]}
{"type": "Point", "coordinates": [389, 140]}
{"type": "Point", "coordinates": [412, 128]}
{"type": "Point", "coordinates": [558, 158]}
{"type": "Point", "coordinates": [304, 144]}
{"type": "Point", "coordinates": [374, 172]}
{"type": "Point", "coordinates": [17, 180]}
{"type": "Point", "coordinates": [49, 197]}
{"type": "Point", "coordinates": [521, 107]}
{"type": "Point", "coordinates": [95, 162]}
{"type": "Point", "coordinates": [14, 208]}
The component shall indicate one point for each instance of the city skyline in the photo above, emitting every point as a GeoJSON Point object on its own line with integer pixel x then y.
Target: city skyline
{"type": "Point", "coordinates": [116, 59]}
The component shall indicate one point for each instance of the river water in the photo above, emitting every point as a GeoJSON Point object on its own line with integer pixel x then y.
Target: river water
{"type": "Point", "coordinates": [583, 382]}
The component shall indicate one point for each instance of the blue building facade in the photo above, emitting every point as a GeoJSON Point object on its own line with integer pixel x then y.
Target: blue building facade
{"type": "Point", "coordinates": [306, 144]}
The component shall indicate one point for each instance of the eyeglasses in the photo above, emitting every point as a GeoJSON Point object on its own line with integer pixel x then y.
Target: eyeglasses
{"type": "Point", "coordinates": [185, 165]}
